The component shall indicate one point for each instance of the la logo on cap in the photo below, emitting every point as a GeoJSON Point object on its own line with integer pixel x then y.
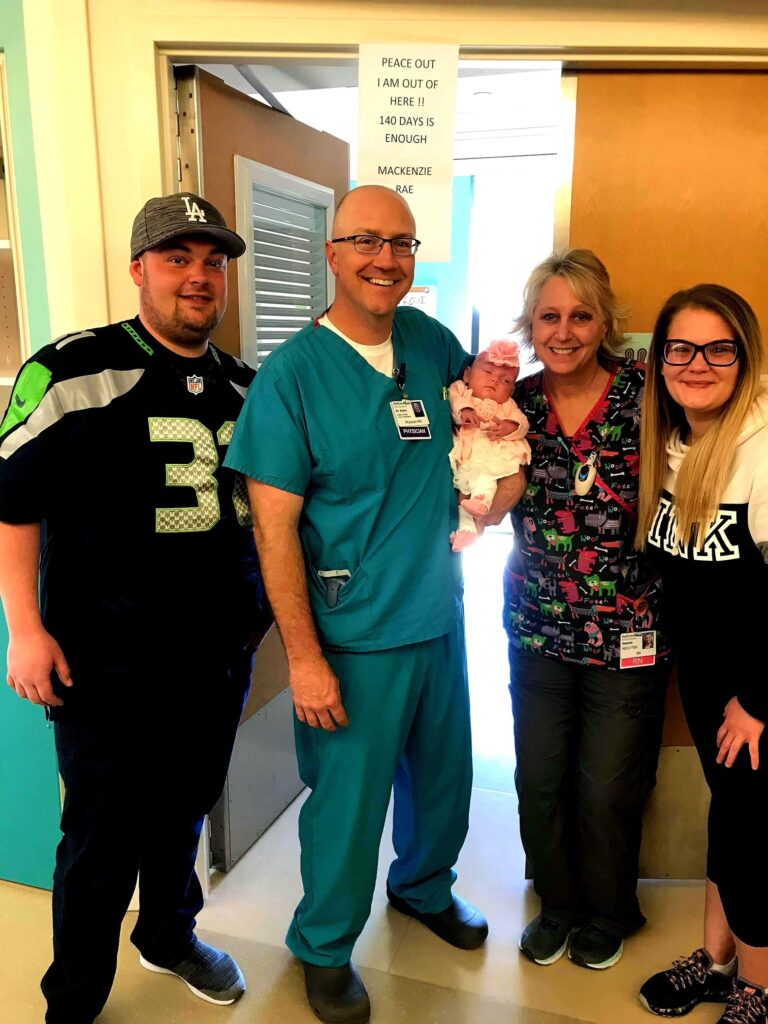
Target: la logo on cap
{"type": "Point", "coordinates": [193, 211]}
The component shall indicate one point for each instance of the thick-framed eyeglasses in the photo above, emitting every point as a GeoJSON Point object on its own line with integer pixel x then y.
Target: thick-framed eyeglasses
{"type": "Point", "coordinates": [371, 245]}
{"type": "Point", "coordinates": [716, 353]}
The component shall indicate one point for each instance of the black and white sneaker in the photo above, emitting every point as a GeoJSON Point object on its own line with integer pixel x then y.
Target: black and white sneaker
{"type": "Point", "coordinates": [210, 973]}
{"type": "Point", "coordinates": [545, 940]}
{"type": "Point", "coordinates": [688, 982]}
{"type": "Point", "coordinates": [594, 947]}
{"type": "Point", "coordinates": [747, 1004]}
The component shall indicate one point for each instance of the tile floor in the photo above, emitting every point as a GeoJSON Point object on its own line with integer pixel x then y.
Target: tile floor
{"type": "Point", "coordinates": [412, 977]}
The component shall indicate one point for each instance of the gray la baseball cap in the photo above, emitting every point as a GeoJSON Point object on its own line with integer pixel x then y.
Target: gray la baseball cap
{"type": "Point", "coordinates": [183, 213]}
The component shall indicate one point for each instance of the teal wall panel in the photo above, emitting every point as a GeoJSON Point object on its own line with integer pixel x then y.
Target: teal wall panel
{"type": "Point", "coordinates": [25, 174]}
{"type": "Point", "coordinates": [29, 786]}
{"type": "Point", "coordinates": [451, 279]}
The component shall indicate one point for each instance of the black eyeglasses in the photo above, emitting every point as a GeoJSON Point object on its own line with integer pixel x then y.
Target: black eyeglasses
{"type": "Point", "coordinates": [371, 245]}
{"type": "Point", "coordinates": [716, 353]}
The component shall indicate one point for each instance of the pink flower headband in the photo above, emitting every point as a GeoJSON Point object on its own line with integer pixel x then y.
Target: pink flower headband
{"type": "Point", "coordinates": [503, 353]}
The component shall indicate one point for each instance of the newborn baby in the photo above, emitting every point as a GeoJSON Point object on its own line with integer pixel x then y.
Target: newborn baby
{"type": "Point", "coordinates": [490, 441]}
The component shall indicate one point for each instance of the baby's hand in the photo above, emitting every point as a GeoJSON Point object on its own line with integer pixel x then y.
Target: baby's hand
{"type": "Point", "coordinates": [500, 428]}
{"type": "Point", "coordinates": [469, 418]}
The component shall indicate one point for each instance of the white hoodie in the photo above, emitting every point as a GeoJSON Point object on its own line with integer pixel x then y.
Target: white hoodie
{"type": "Point", "coordinates": [716, 596]}
{"type": "Point", "coordinates": [748, 483]}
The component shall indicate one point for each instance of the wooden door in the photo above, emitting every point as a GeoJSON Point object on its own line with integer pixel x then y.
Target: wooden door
{"type": "Point", "coordinates": [670, 188]}
{"type": "Point", "coordinates": [670, 183]}
{"type": "Point", "coordinates": [218, 123]}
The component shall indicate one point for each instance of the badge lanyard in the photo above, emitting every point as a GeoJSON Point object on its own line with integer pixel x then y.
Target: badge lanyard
{"type": "Point", "coordinates": [398, 372]}
{"type": "Point", "coordinates": [410, 416]}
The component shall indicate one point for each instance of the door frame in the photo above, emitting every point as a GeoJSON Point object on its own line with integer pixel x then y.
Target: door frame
{"type": "Point", "coordinates": [572, 59]}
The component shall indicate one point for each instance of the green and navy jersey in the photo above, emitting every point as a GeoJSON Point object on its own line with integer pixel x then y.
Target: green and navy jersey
{"type": "Point", "coordinates": [116, 446]}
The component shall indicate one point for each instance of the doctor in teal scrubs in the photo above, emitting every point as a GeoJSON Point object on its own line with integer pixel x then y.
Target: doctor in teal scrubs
{"type": "Point", "coordinates": [353, 506]}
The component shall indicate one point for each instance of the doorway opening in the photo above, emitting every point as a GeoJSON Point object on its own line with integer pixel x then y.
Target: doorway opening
{"type": "Point", "coordinates": [508, 164]}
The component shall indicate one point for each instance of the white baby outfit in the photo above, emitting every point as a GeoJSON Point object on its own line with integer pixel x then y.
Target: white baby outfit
{"type": "Point", "coordinates": [478, 462]}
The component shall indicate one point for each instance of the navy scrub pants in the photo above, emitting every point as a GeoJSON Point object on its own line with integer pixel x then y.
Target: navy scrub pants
{"type": "Point", "coordinates": [138, 782]}
{"type": "Point", "coordinates": [409, 728]}
{"type": "Point", "coordinates": [587, 743]}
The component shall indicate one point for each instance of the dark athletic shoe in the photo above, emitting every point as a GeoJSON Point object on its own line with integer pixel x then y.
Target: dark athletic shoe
{"type": "Point", "coordinates": [545, 940]}
{"type": "Point", "coordinates": [747, 1004]}
{"type": "Point", "coordinates": [688, 982]}
{"type": "Point", "coordinates": [592, 946]}
{"type": "Point", "coordinates": [210, 973]}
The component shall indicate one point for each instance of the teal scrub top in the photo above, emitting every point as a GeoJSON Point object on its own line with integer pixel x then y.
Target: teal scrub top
{"type": "Point", "coordinates": [317, 422]}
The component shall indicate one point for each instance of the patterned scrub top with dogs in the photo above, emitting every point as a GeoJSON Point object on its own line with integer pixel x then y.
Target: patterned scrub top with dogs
{"type": "Point", "coordinates": [573, 582]}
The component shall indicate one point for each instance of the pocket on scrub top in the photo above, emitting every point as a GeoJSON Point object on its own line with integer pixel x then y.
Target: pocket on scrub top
{"type": "Point", "coordinates": [341, 604]}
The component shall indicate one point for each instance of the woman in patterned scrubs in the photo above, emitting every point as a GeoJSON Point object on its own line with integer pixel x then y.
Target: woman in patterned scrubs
{"type": "Point", "coordinates": [588, 665]}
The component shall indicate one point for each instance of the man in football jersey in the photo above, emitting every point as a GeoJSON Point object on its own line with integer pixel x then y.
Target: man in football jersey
{"type": "Point", "coordinates": [115, 500]}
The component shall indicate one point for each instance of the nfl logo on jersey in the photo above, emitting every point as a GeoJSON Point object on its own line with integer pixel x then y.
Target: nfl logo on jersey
{"type": "Point", "coordinates": [195, 385]}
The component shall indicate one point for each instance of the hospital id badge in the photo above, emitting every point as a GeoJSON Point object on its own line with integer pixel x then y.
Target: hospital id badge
{"type": "Point", "coordinates": [411, 419]}
{"type": "Point", "coordinates": [637, 649]}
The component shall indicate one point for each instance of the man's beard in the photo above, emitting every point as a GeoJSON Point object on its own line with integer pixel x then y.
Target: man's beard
{"type": "Point", "coordinates": [178, 327]}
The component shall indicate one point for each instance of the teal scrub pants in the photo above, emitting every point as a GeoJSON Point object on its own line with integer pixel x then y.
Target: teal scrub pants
{"type": "Point", "coordinates": [408, 709]}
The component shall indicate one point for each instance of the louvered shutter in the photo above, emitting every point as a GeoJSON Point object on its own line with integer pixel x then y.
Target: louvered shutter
{"type": "Point", "coordinates": [285, 276]}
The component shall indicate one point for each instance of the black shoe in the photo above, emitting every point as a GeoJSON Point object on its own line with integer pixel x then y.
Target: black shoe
{"type": "Point", "coordinates": [68, 1020]}
{"type": "Point", "coordinates": [460, 924]}
{"type": "Point", "coordinates": [592, 946]}
{"type": "Point", "coordinates": [688, 982]}
{"type": "Point", "coordinates": [210, 973]}
{"type": "Point", "coordinates": [747, 1004]}
{"type": "Point", "coordinates": [545, 940]}
{"type": "Point", "coordinates": [337, 994]}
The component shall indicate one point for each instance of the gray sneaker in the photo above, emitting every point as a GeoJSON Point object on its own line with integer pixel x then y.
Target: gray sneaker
{"type": "Point", "coordinates": [210, 973]}
{"type": "Point", "coordinates": [594, 947]}
{"type": "Point", "coordinates": [545, 940]}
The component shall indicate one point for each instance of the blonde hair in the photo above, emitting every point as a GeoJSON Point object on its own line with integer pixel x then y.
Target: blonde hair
{"type": "Point", "coordinates": [706, 468]}
{"type": "Point", "coordinates": [588, 277]}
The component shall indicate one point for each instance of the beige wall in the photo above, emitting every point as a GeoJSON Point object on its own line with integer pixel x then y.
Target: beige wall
{"type": "Point", "coordinates": [64, 131]}
{"type": "Point", "coordinates": [101, 137]}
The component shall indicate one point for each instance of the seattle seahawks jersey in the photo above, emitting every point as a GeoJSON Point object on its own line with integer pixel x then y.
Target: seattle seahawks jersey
{"type": "Point", "coordinates": [116, 445]}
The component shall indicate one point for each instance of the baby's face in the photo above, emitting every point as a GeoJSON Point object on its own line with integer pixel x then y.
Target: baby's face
{"type": "Point", "coordinates": [490, 381]}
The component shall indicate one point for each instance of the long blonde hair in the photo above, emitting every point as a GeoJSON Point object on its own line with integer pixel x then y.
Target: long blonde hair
{"type": "Point", "coordinates": [706, 468]}
{"type": "Point", "coordinates": [589, 278]}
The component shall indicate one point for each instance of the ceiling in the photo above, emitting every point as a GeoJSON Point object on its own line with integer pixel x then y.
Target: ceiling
{"type": "Point", "coordinates": [503, 108]}
{"type": "Point", "coordinates": [291, 74]}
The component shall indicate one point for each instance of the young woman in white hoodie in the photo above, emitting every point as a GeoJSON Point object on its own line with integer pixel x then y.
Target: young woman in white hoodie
{"type": "Point", "coordinates": [704, 512]}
